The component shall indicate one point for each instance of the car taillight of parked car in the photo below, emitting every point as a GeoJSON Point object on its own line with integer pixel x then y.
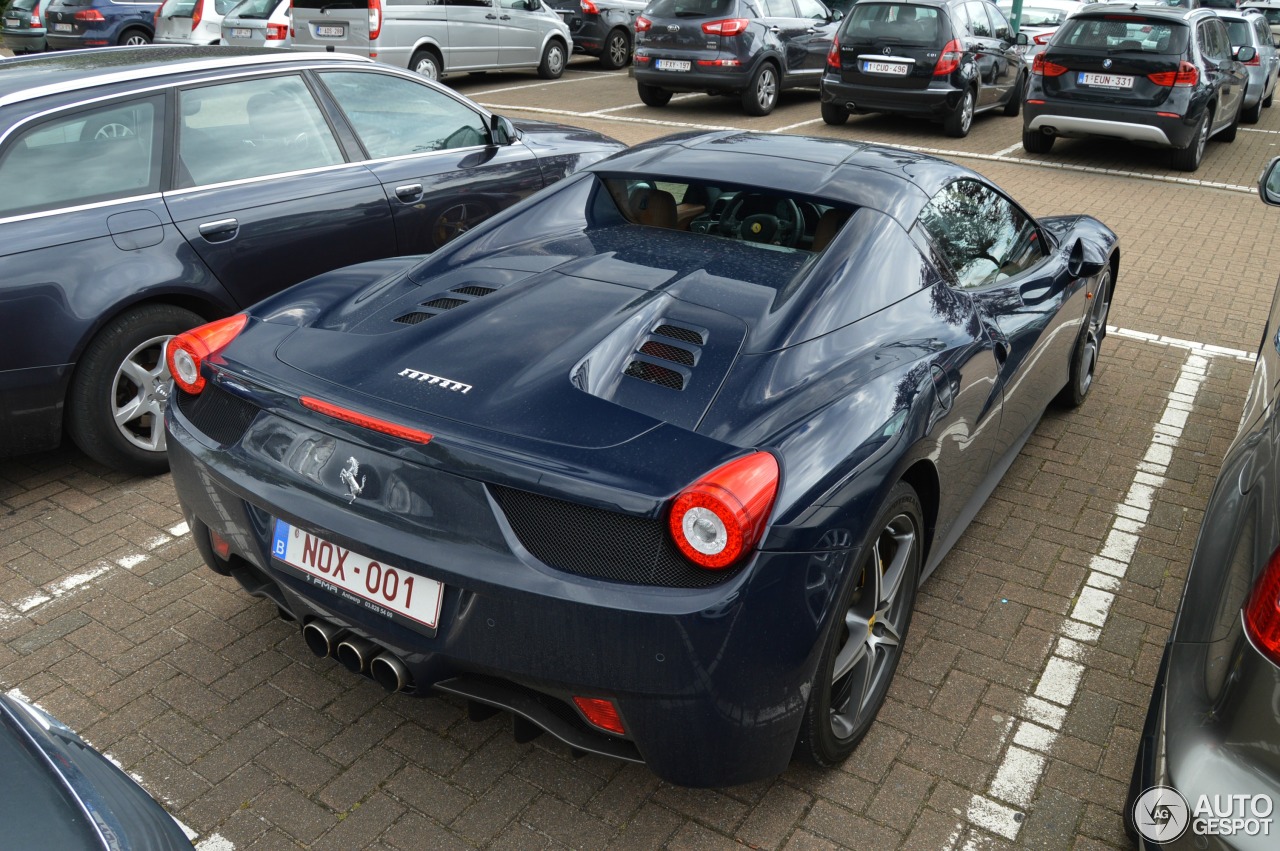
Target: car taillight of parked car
{"type": "Point", "coordinates": [187, 352]}
{"type": "Point", "coordinates": [720, 517]}
{"type": "Point", "coordinates": [1255, 61]}
{"type": "Point", "coordinates": [375, 19]}
{"type": "Point", "coordinates": [91, 15]}
{"type": "Point", "coordinates": [833, 55]}
{"type": "Point", "coordinates": [1042, 67]}
{"type": "Point", "coordinates": [589, 8]}
{"type": "Point", "coordinates": [1262, 612]}
{"type": "Point", "coordinates": [1186, 75]}
{"type": "Point", "coordinates": [277, 32]}
{"type": "Point", "coordinates": [728, 26]}
{"type": "Point", "coordinates": [1043, 38]}
{"type": "Point", "coordinates": [643, 24]}
{"type": "Point", "coordinates": [950, 58]}
{"type": "Point", "coordinates": [197, 15]}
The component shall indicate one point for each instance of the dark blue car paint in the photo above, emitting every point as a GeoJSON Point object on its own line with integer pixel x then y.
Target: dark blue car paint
{"type": "Point", "coordinates": [69, 274]}
{"type": "Point", "coordinates": [901, 380]}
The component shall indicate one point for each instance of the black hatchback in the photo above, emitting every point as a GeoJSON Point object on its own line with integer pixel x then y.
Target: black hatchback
{"type": "Point", "coordinates": [752, 48]}
{"type": "Point", "coordinates": [1155, 76]}
{"type": "Point", "coordinates": [941, 59]}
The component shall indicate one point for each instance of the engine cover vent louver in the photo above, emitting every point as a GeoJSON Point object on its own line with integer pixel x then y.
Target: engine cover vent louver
{"type": "Point", "coordinates": [687, 335]}
{"type": "Point", "coordinates": [413, 318]}
{"type": "Point", "coordinates": [667, 352]}
{"type": "Point", "coordinates": [651, 372]}
{"type": "Point", "coordinates": [473, 289]}
{"type": "Point", "coordinates": [445, 303]}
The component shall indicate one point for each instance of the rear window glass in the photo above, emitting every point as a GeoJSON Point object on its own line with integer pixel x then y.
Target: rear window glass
{"type": "Point", "coordinates": [255, 8]}
{"type": "Point", "coordinates": [331, 5]}
{"type": "Point", "coordinates": [23, 5]}
{"type": "Point", "coordinates": [893, 22]}
{"type": "Point", "coordinates": [1120, 33]}
{"type": "Point", "coordinates": [1036, 16]}
{"type": "Point", "coordinates": [690, 8]}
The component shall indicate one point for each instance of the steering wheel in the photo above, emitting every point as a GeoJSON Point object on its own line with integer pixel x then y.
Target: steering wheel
{"type": "Point", "coordinates": [783, 227]}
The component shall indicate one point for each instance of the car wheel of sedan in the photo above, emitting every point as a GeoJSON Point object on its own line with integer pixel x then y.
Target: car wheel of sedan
{"type": "Point", "coordinates": [115, 408]}
{"type": "Point", "coordinates": [553, 59]}
{"type": "Point", "coordinates": [761, 94]}
{"type": "Point", "coordinates": [617, 51]}
{"type": "Point", "coordinates": [1252, 114]}
{"type": "Point", "coordinates": [134, 38]}
{"type": "Point", "coordinates": [652, 95]}
{"type": "Point", "coordinates": [1014, 106]}
{"type": "Point", "coordinates": [960, 119]}
{"type": "Point", "coordinates": [1084, 357]}
{"type": "Point", "coordinates": [1188, 158]}
{"type": "Point", "coordinates": [834, 114]}
{"type": "Point", "coordinates": [426, 63]}
{"type": "Point", "coordinates": [1036, 142]}
{"type": "Point", "coordinates": [862, 651]}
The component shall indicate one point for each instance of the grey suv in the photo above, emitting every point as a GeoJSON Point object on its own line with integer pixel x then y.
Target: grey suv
{"type": "Point", "coordinates": [752, 48]}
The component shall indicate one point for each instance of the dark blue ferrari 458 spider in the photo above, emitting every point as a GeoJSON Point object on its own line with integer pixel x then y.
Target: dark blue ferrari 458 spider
{"type": "Point", "coordinates": [656, 459]}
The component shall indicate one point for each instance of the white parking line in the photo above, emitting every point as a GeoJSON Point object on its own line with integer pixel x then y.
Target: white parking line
{"type": "Point", "coordinates": [1000, 810]}
{"type": "Point", "coordinates": [1256, 130]}
{"type": "Point", "coordinates": [587, 76]}
{"type": "Point", "coordinates": [1008, 150]}
{"type": "Point", "coordinates": [797, 124]}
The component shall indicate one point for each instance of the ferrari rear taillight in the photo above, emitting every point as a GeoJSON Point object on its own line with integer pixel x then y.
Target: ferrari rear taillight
{"type": "Point", "coordinates": [347, 415]}
{"type": "Point", "coordinates": [1186, 75]}
{"type": "Point", "coordinates": [375, 19]}
{"type": "Point", "coordinates": [643, 24]}
{"type": "Point", "coordinates": [728, 26]}
{"type": "Point", "coordinates": [949, 59]}
{"type": "Point", "coordinates": [277, 32]}
{"type": "Point", "coordinates": [1262, 612]}
{"type": "Point", "coordinates": [589, 8]}
{"type": "Point", "coordinates": [1042, 67]}
{"type": "Point", "coordinates": [720, 517]}
{"type": "Point", "coordinates": [833, 55]}
{"type": "Point", "coordinates": [186, 353]}
{"type": "Point", "coordinates": [602, 713]}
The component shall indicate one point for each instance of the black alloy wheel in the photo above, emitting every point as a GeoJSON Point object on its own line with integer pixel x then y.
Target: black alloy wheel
{"type": "Point", "coordinates": [617, 50]}
{"type": "Point", "coordinates": [1088, 347]}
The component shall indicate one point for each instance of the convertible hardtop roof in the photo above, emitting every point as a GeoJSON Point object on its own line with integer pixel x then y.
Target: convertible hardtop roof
{"type": "Point", "coordinates": [891, 180]}
{"type": "Point", "coordinates": [66, 71]}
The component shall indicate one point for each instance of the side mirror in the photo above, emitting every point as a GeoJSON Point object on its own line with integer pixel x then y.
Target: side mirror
{"type": "Point", "coordinates": [1269, 183]}
{"type": "Point", "coordinates": [1079, 266]}
{"type": "Point", "coordinates": [1246, 54]}
{"type": "Point", "coordinates": [836, 15]}
{"type": "Point", "coordinates": [1022, 40]}
{"type": "Point", "coordinates": [501, 130]}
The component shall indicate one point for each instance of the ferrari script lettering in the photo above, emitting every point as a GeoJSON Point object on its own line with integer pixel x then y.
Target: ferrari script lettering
{"type": "Point", "coordinates": [447, 383]}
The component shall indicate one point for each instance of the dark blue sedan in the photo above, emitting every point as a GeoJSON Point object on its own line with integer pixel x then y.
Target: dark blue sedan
{"type": "Point", "coordinates": [656, 459]}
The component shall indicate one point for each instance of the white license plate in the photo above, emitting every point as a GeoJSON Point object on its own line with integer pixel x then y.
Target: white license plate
{"type": "Point", "coordinates": [241, 32]}
{"type": "Point", "coordinates": [672, 65]}
{"type": "Point", "coordinates": [358, 578]}
{"type": "Point", "coordinates": [886, 68]}
{"type": "Point", "coordinates": [13, 23]}
{"type": "Point", "coordinates": [62, 28]}
{"type": "Point", "coordinates": [331, 31]}
{"type": "Point", "coordinates": [1110, 81]}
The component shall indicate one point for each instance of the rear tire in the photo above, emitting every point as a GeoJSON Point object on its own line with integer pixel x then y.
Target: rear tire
{"type": "Point", "coordinates": [427, 63]}
{"type": "Point", "coordinates": [1036, 142]}
{"type": "Point", "coordinates": [1014, 106]}
{"type": "Point", "coordinates": [1188, 158]}
{"type": "Point", "coordinates": [960, 119]}
{"type": "Point", "coordinates": [617, 50]}
{"type": "Point", "coordinates": [553, 60]}
{"type": "Point", "coordinates": [834, 114]}
{"type": "Point", "coordinates": [1229, 134]}
{"type": "Point", "coordinates": [1088, 347]}
{"type": "Point", "coordinates": [134, 38]}
{"type": "Point", "coordinates": [115, 406]}
{"type": "Point", "coordinates": [761, 94]}
{"type": "Point", "coordinates": [652, 95]}
{"type": "Point", "coordinates": [1266, 101]}
{"type": "Point", "coordinates": [1253, 114]}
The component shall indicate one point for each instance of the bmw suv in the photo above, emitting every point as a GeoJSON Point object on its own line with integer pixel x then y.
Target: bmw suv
{"type": "Point", "coordinates": [1156, 76]}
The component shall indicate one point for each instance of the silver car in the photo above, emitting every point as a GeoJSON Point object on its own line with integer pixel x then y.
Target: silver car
{"type": "Point", "coordinates": [1248, 27]}
{"type": "Point", "coordinates": [258, 23]}
{"type": "Point", "coordinates": [191, 21]}
{"type": "Point", "coordinates": [438, 37]}
{"type": "Point", "coordinates": [1270, 9]}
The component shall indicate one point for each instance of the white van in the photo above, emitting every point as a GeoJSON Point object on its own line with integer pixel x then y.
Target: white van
{"type": "Point", "coordinates": [438, 37]}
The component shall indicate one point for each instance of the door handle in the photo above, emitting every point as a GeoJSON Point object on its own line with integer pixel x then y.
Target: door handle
{"type": "Point", "coordinates": [505, 18]}
{"type": "Point", "coordinates": [813, 31]}
{"type": "Point", "coordinates": [220, 231]}
{"type": "Point", "coordinates": [775, 29]}
{"type": "Point", "coordinates": [491, 17]}
{"type": "Point", "coordinates": [409, 193]}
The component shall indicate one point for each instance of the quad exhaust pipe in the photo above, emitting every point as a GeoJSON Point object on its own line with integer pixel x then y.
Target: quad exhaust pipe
{"type": "Point", "coordinates": [356, 654]}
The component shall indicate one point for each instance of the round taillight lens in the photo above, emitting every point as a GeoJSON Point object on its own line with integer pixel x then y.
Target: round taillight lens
{"type": "Point", "coordinates": [188, 351]}
{"type": "Point", "coordinates": [720, 517]}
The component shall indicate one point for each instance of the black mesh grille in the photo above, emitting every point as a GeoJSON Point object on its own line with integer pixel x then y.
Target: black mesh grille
{"type": "Point", "coordinates": [445, 303]}
{"type": "Point", "coordinates": [473, 289]}
{"type": "Point", "coordinates": [216, 413]}
{"type": "Point", "coordinates": [668, 352]}
{"type": "Point", "coordinates": [685, 334]}
{"type": "Point", "coordinates": [646, 371]}
{"type": "Point", "coordinates": [413, 318]}
{"type": "Point", "coordinates": [604, 544]}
